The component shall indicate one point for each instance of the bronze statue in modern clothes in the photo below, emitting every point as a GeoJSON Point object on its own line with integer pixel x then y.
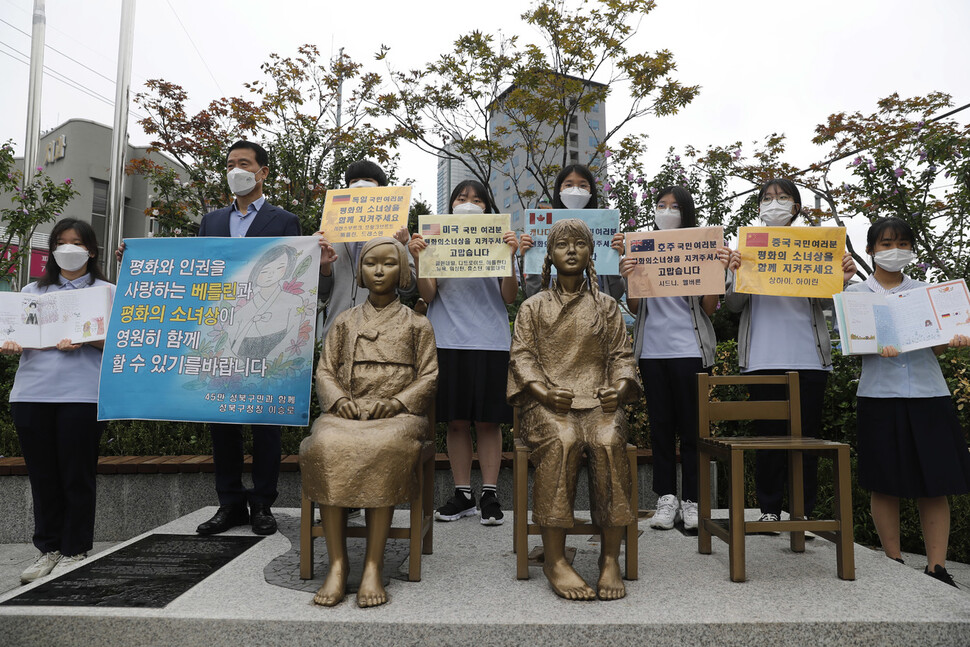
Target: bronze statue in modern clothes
{"type": "Point", "coordinates": [571, 368]}
{"type": "Point", "coordinates": [375, 380]}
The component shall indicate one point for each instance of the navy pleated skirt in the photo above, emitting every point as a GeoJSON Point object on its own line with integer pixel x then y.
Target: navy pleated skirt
{"type": "Point", "coordinates": [912, 447]}
{"type": "Point", "coordinates": [471, 385]}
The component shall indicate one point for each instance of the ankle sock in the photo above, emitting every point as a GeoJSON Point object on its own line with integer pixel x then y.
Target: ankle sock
{"type": "Point", "coordinates": [486, 489]}
{"type": "Point", "coordinates": [465, 490]}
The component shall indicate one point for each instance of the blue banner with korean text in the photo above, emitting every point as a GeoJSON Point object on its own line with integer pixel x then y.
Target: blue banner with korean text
{"type": "Point", "coordinates": [603, 223]}
{"type": "Point", "coordinates": [212, 330]}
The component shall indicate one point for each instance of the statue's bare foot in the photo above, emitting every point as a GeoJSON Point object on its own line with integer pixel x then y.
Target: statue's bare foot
{"type": "Point", "coordinates": [371, 592]}
{"type": "Point", "coordinates": [334, 587]}
{"type": "Point", "coordinates": [610, 585]}
{"type": "Point", "coordinates": [566, 582]}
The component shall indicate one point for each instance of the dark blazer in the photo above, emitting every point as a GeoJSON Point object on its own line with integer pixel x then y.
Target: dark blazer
{"type": "Point", "coordinates": [268, 221]}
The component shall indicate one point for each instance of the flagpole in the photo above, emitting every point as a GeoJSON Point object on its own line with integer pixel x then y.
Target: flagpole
{"type": "Point", "coordinates": [32, 142]}
{"type": "Point", "coordinates": [119, 139]}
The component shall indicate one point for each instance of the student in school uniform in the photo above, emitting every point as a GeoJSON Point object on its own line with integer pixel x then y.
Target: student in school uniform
{"type": "Point", "coordinates": [911, 443]}
{"type": "Point", "coordinates": [471, 329]}
{"type": "Point", "coordinates": [777, 335]}
{"type": "Point", "coordinates": [54, 406]}
{"type": "Point", "coordinates": [673, 340]}
{"type": "Point", "coordinates": [340, 289]}
{"type": "Point", "coordinates": [575, 188]}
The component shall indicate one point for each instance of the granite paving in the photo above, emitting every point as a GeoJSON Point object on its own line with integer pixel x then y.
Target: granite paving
{"type": "Point", "coordinates": [469, 595]}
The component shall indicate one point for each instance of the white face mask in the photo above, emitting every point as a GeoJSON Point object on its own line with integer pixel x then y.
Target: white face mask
{"type": "Point", "coordinates": [894, 260]}
{"type": "Point", "coordinates": [667, 218]}
{"type": "Point", "coordinates": [357, 184]}
{"type": "Point", "coordinates": [71, 257]}
{"type": "Point", "coordinates": [241, 182]}
{"type": "Point", "coordinates": [574, 197]}
{"type": "Point", "coordinates": [467, 208]}
{"type": "Point", "coordinates": [776, 214]}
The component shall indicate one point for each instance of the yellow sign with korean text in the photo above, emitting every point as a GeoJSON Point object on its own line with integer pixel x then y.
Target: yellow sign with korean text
{"type": "Point", "coordinates": [675, 262]}
{"type": "Point", "coordinates": [791, 261]}
{"type": "Point", "coordinates": [465, 246]}
{"type": "Point", "coordinates": [351, 215]}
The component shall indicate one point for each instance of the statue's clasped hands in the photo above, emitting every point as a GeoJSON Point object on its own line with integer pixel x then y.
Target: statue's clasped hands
{"type": "Point", "coordinates": [556, 398]}
{"type": "Point", "coordinates": [347, 408]}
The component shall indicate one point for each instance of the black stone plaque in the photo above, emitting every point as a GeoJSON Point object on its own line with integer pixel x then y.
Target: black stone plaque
{"type": "Point", "coordinates": [148, 573]}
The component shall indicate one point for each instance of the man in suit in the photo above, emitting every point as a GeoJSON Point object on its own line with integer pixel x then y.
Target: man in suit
{"type": "Point", "coordinates": [249, 215]}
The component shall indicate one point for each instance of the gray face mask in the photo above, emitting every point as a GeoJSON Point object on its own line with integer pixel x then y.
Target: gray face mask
{"type": "Point", "coordinates": [667, 218]}
{"type": "Point", "coordinates": [894, 260]}
{"type": "Point", "coordinates": [776, 214]}
{"type": "Point", "coordinates": [359, 184]}
{"type": "Point", "coordinates": [241, 182]}
{"type": "Point", "coordinates": [574, 197]}
{"type": "Point", "coordinates": [71, 257]}
{"type": "Point", "coordinates": [467, 208]}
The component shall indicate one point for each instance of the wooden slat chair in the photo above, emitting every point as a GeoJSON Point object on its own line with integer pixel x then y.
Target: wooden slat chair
{"type": "Point", "coordinates": [419, 531]}
{"type": "Point", "coordinates": [731, 450]}
{"type": "Point", "coordinates": [521, 529]}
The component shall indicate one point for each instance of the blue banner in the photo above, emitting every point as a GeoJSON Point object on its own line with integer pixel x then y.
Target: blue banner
{"type": "Point", "coordinates": [212, 330]}
{"type": "Point", "coordinates": [604, 223]}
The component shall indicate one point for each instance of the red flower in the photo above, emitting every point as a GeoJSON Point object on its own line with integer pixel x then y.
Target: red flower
{"type": "Point", "coordinates": [293, 287]}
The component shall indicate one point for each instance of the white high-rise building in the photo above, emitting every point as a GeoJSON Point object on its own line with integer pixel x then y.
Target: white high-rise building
{"type": "Point", "coordinates": [514, 188]}
{"type": "Point", "coordinates": [450, 173]}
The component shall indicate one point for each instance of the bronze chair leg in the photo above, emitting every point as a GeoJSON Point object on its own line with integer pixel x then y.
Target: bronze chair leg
{"type": "Point", "coordinates": [427, 516]}
{"type": "Point", "coordinates": [306, 538]}
{"type": "Point", "coordinates": [633, 530]}
{"type": "Point", "coordinates": [845, 551]}
{"type": "Point", "coordinates": [704, 500]}
{"type": "Point", "coordinates": [520, 468]}
{"type": "Point", "coordinates": [736, 516]}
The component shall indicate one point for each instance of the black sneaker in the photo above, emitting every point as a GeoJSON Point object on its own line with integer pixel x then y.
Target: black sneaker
{"type": "Point", "coordinates": [939, 573]}
{"type": "Point", "coordinates": [457, 507]}
{"type": "Point", "coordinates": [491, 511]}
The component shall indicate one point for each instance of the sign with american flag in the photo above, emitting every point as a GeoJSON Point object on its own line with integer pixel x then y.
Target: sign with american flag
{"type": "Point", "coordinates": [351, 215]}
{"type": "Point", "coordinates": [465, 246]}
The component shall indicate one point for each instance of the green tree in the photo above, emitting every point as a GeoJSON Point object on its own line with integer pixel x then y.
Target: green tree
{"type": "Point", "coordinates": [35, 202]}
{"type": "Point", "coordinates": [505, 109]}
{"type": "Point", "coordinates": [911, 166]}
{"type": "Point", "coordinates": [310, 117]}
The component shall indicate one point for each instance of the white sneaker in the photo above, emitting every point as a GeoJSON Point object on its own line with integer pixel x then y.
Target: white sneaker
{"type": "Point", "coordinates": [44, 565]}
{"type": "Point", "coordinates": [66, 563]}
{"type": "Point", "coordinates": [688, 512]}
{"type": "Point", "coordinates": [769, 516]}
{"type": "Point", "coordinates": [667, 514]}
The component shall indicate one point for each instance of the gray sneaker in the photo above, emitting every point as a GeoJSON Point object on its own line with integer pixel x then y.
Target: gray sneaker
{"type": "Point", "coordinates": [67, 562]}
{"type": "Point", "coordinates": [667, 514]}
{"type": "Point", "coordinates": [43, 566]}
{"type": "Point", "coordinates": [688, 511]}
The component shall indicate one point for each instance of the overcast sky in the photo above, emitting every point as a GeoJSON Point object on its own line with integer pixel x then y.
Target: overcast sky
{"type": "Point", "coordinates": [763, 66]}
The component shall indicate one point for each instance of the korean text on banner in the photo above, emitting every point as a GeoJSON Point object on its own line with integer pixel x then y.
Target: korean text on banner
{"type": "Point", "coordinates": [676, 262]}
{"type": "Point", "coordinates": [361, 214]}
{"type": "Point", "coordinates": [212, 330]}
{"type": "Point", "coordinates": [603, 223]}
{"type": "Point", "coordinates": [791, 261]}
{"type": "Point", "coordinates": [464, 246]}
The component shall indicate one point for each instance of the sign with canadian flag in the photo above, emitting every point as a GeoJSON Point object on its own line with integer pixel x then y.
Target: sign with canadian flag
{"type": "Point", "coordinates": [604, 223]}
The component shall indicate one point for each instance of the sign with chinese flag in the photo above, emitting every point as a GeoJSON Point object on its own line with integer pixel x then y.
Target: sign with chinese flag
{"type": "Point", "coordinates": [791, 261]}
